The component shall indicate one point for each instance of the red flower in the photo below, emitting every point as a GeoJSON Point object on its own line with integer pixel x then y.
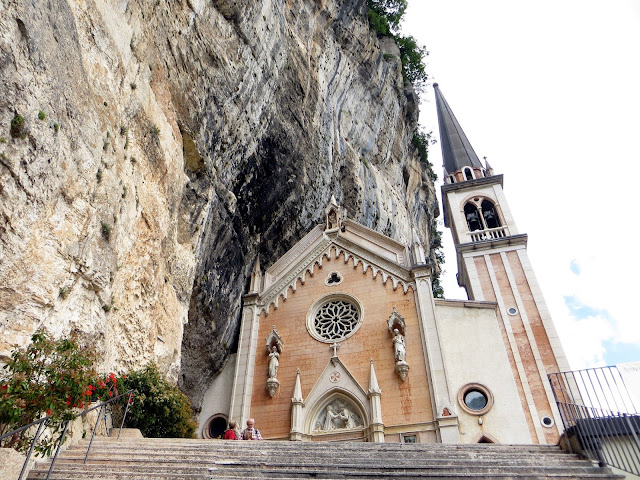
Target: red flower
{"type": "Point", "coordinates": [110, 393]}
{"type": "Point", "coordinates": [48, 411]}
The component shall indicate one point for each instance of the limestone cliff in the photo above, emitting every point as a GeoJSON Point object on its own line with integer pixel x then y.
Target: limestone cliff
{"type": "Point", "coordinates": [166, 144]}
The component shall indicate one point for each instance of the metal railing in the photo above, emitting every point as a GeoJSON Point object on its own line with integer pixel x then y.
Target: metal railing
{"type": "Point", "coordinates": [44, 421]}
{"type": "Point", "coordinates": [599, 416]}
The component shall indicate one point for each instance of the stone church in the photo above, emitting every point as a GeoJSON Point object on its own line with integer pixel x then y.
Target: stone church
{"type": "Point", "coordinates": [342, 339]}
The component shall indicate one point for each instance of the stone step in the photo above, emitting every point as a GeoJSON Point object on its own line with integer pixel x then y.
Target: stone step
{"type": "Point", "coordinates": [284, 471]}
{"type": "Point", "coordinates": [176, 459]}
{"type": "Point", "coordinates": [242, 449]}
{"type": "Point", "coordinates": [107, 458]}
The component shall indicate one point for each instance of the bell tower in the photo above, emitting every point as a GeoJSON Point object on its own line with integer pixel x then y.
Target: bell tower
{"type": "Point", "coordinates": [493, 266]}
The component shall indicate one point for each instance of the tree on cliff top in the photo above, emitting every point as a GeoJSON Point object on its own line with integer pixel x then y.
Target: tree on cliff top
{"type": "Point", "coordinates": [385, 17]}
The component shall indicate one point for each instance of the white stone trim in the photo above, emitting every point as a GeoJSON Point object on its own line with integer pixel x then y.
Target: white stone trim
{"type": "Point", "coordinates": [532, 339]}
{"type": "Point", "coordinates": [332, 249]}
{"type": "Point", "coordinates": [243, 381]}
{"type": "Point", "coordinates": [474, 279]}
{"type": "Point", "coordinates": [489, 251]}
{"type": "Point", "coordinates": [547, 322]}
{"type": "Point", "coordinates": [432, 351]}
{"type": "Point", "coordinates": [516, 353]}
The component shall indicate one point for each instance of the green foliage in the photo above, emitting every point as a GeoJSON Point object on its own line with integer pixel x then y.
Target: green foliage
{"type": "Point", "coordinates": [64, 292]}
{"type": "Point", "coordinates": [18, 127]}
{"type": "Point", "coordinates": [133, 85]}
{"type": "Point", "coordinates": [42, 115]}
{"type": "Point", "coordinates": [421, 140]}
{"type": "Point", "coordinates": [99, 175]}
{"type": "Point", "coordinates": [385, 17]}
{"type": "Point", "coordinates": [159, 409]}
{"type": "Point", "coordinates": [155, 131]}
{"type": "Point", "coordinates": [48, 377]}
{"type": "Point", "coordinates": [3, 140]}
{"type": "Point", "coordinates": [56, 127]}
{"type": "Point", "coordinates": [412, 58]}
{"type": "Point", "coordinates": [436, 247]}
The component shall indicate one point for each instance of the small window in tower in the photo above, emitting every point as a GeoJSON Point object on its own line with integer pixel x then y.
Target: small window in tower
{"type": "Point", "coordinates": [452, 179]}
{"type": "Point", "coordinates": [490, 214]}
{"type": "Point", "coordinates": [473, 217]}
{"type": "Point", "coordinates": [468, 173]}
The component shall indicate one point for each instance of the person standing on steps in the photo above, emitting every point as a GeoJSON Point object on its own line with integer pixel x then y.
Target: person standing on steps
{"type": "Point", "coordinates": [231, 433]}
{"type": "Point", "coordinates": [251, 433]}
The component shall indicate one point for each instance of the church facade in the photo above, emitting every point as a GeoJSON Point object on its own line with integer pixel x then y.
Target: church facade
{"type": "Point", "coordinates": [341, 338]}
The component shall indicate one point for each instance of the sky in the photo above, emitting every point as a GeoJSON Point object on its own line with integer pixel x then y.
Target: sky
{"type": "Point", "coordinates": [549, 92]}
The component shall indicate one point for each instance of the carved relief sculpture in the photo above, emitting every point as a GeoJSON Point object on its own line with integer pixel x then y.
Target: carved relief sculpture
{"type": "Point", "coordinates": [274, 349]}
{"type": "Point", "coordinates": [338, 415]}
{"type": "Point", "coordinates": [397, 329]}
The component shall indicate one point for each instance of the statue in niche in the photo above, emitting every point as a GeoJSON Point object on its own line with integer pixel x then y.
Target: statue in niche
{"type": "Point", "coordinates": [274, 349]}
{"type": "Point", "coordinates": [397, 330]}
{"type": "Point", "coordinates": [337, 416]}
{"type": "Point", "coordinates": [274, 362]}
{"type": "Point", "coordinates": [399, 346]}
{"type": "Point", "coordinates": [332, 220]}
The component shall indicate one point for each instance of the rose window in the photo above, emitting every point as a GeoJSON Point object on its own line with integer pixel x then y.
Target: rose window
{"type": "Point", "coordinates": [334, 318]}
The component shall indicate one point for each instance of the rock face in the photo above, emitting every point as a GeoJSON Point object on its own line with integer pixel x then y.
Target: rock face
{"type": "Point", "coordinates": [181, 140]}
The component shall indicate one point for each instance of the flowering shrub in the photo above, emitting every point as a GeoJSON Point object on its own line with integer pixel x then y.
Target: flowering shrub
{"type": "Point", "coordinates": [48, 377]}
{"type": "Point", "coordinates": [159, 408]}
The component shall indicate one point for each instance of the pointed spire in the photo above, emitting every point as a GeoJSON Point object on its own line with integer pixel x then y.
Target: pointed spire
{"type": "Point", "coordinates": [374, 388]}
{"type": "Point", "coordinates": [419, 255]}
{"type": "Point", "coordinates": [488, 167]}
{"type": "Point", "coordinates": [457, 151]}
{"type": "Point", "coordinates": [297, 390]}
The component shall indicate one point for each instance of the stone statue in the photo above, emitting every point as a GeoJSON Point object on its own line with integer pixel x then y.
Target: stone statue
{"type": "Point", "coordinates": [349, 418]}
{"type": "Point", "coordinates": [329, 419]}
{"type": "Point", "coordinates": [274, 362]}
{"type": "Point", "coordinates": [399, 346]}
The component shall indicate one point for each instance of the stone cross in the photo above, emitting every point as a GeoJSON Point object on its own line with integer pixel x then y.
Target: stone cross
{"type": "Point", "coordinates": [335, 346]}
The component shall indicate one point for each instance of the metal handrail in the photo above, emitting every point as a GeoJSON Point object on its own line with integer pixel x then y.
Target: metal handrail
{"type": "Point", "coordinates": [44, 421]}
{"type": "Point", "coordinates": [598, 411]}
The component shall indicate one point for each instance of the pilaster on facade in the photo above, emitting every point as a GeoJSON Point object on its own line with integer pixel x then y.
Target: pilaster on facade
{"type": "Point", "coordinates": [513, 345]}
{"type": "Point", "coordinates": [432, 347]}
{"type": "Point", "coordinates": [243, 381]}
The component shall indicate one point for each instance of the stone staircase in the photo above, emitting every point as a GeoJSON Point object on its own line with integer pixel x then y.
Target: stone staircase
{"type": "Point", "coordinates": [148, 458]}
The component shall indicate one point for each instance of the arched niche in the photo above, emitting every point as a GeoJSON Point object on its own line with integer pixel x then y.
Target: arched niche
{"type": "Point", "coordinates": [336, 413]}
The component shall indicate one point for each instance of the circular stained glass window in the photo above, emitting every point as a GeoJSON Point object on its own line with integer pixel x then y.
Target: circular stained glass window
{"type": "Point", "coordinates": [334, 319]}
{"type": "Point", "coordinates": [475, 400]}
